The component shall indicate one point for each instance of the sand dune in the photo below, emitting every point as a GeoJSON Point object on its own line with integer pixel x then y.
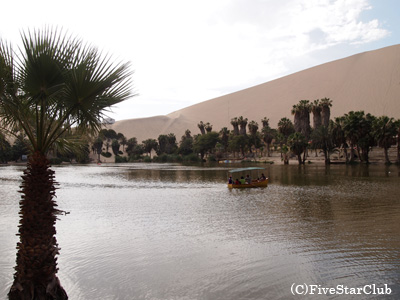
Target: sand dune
{"type": "Point", "coordinates": [368, 81]}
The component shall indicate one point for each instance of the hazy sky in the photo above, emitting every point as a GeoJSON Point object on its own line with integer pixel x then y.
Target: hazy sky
{"type": "Point", "coordinates": [184, 52]}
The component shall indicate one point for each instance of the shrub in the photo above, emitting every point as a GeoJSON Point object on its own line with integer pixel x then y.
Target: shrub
{"type": "Point", "coordinates": [106, 154]}
{"type": "Point", "coordinates": [120, 159]}
{"type": "Point", "coordinates": [147, 159]}
{"type": "Point", "coordinates": [55, 161]}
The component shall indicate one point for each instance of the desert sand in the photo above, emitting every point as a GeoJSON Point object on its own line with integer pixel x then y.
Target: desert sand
{"type": "Point", "coordinates": [368, 81]}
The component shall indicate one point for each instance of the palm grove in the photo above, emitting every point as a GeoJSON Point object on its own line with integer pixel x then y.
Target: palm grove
{"type": "Point", "coordinates": [351, 137]}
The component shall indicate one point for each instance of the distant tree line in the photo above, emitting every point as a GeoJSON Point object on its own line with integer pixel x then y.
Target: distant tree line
{"type": "Point", "coordinates": [351, 136]}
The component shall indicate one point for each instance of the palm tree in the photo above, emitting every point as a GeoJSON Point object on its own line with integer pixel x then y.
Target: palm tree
{"type": "Point", "coordinates": [52, 86]}
{"type": "Point", "coordinates": [242, 124]}
{"type": "Point", "coordinates": [322, 138]}
{"type": "Point", "coordinates": [224, 136]}
{"type": "Point", "coordinates": [268, 135]}
{"type": "Point", "coordinates": [301, 113]}
{"type": "Point", "coordinates": [265, 122]}
{"type": "Point", "coordinates": [351, 123]}
{"type": "Point", "coordinates": [316, 110]}
{"type": "Point", "coordinates": [338, 135]}
{"type": "Point", "coordinates": [297, 144]}
{"type": "Point", "coordinates": [201, 126]}
{"type": "Point", "coordinates": [253, 129]}
{"type": "Point", "coordinates": [151, 144]}
{"type": "Point", "coordinates": [385, 131]}
{"type": "Point", "coordinates": [285, 127]}
{"type": "Point", "coordinates": [296, 111]}
{"type": "Point", "coordinates": [208, 127]}
{"type": "Point", "coordinates": [98, 147]}
{"type": "Point", "coordinates": [235, 124]}
{"type": "Point", "coordinates": [122, 140]}
{"type": "Point", "coordinates": [326, 105]}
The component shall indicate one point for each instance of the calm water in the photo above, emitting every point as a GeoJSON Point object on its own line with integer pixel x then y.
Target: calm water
{"type": "Point", "coordinates": [151, 231]}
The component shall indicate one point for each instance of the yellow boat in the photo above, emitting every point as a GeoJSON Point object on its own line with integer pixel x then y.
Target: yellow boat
{"type": "Point", "coordinates": [254, 183]}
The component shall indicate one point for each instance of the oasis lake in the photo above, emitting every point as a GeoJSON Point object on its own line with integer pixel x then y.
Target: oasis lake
{"type": "Point", "coordinates": [168, 231]}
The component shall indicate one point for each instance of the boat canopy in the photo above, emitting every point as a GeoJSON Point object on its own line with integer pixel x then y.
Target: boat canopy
{"type": "Point", "coordinates": [245, 169]}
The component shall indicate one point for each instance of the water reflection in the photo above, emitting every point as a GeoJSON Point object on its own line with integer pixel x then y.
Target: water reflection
{"type": "Point", "coordinates": [140, 231]}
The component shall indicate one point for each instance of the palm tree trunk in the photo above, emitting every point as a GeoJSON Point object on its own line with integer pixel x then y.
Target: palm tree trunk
{"type": "Point", "coordinates": [387, 160]}
{"type": "Point", "coordinates": [299, 159]}
{"type": "Point", "coordinates": [352, 155]}
{"type": "Point", "coordinates": [36, 263]}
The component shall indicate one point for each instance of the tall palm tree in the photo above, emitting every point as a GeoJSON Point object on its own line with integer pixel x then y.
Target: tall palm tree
{"type": "Point", "coordinates": [235, 124]}
{"type": "Point", "coordinates": [201, 126]}
{"type": "Point", "coordinates": [265, 122]}
{"type": "Point", "coordinates": [316, 110]}
{"type": "Point", "coordinates": [242, 123]}
{"type": "Point", "coordinates": [301, 113]}
{"type": "Point", "coordinates": [326, 105]}
{"type": "Point", "coordinates": [53, 85]}
{"type": "Point", "coordinates": [208, 127]}
{"type": "Point", "coordinates": [296, 111]}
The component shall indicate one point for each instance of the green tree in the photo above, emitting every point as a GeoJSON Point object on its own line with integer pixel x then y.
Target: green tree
{"type": "Point", "coordinates": [186, 144]}
{"type": "Point", "coordinates": [52, 84]}
{"type": "Point", "coordinates": [98, 147]}
{"type": "Point", "coordinates": [255, 139]}
{"type": "Point", "coordinates": [321, 138]}
{"type": "Point", "coordinates": [122, 140]}
{"type": "Point", "coordinates": [338, 135]}
{"type": "Point", "coordinates": [224, 136]}
{"type": "Point", "coordinates": [297, 144]}
{"type": "Point", "coordinates": [239, 143]}
{"type": "Point", "coordinates": [385, 131]}
{"type": "Point", "coordinates": [358, 131]}
{"type": "Point", "coordinates": [149, 145]}
{"type": "Point", "coordinates": [351, 123]}
{"type": "Point", "coordinates": [267, 134]}
{"type": "Point", "coordinates": [115, 146]}
{"type": "Point", "coordinates": [285, 127]}
{"type": "Point", "coordinates": [5, 150]}
{"type": "Point", "coordinates": [130, 145]}
{"type": "Point", "coordinates": [19, 148]}
{"type": "Point", "coordinates": [204, 144]}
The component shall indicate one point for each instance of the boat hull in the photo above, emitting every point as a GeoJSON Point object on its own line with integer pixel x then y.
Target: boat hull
{"type": "Point", "coordinates": [254, 184]}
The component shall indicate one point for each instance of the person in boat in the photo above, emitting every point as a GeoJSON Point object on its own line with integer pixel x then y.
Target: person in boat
{"type": "Point", "coordinates": [248, 179]}
{"type": "Point", "coordinates": [230, 181]}
{"type": "Point", "coordinates": [262, 178]}
{"type": "Point", "coordinates": [237, 181]}
{"type": "Point", "coordinates": [242, 180]}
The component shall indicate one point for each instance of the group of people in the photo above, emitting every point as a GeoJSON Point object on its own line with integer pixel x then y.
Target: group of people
{"type": "Point", "coordinates": [246, 180]}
